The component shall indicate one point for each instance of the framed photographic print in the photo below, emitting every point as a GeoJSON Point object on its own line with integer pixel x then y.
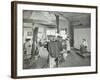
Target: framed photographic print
{"type": "Point", "coordinates": [50, 39]}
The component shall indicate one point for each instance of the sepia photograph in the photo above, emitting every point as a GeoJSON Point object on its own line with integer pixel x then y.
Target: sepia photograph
{"type": "Point", "coordinates": [53, 39]}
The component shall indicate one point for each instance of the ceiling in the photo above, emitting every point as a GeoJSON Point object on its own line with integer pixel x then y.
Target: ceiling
{"type": "Point", "coordinates": [49, 18]}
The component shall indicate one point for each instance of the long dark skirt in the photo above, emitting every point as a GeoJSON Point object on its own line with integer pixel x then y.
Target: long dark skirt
{"type": "Point", "coordinates": [83, 49]}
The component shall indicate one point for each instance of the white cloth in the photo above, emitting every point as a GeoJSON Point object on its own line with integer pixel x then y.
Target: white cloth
{"type": "Point", "coordinates": [52, 62]}
{"type": "Point", "coordinates": [68, 45]}
{"type": "Point", "coordinates": [65, 55]}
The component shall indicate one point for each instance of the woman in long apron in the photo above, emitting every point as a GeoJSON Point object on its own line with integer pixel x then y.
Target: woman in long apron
{"type": "Point", "coordinates": [68, 45]}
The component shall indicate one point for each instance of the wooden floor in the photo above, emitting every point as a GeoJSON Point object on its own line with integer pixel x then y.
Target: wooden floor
{"type": "Point", "coordinates": [72, 60]}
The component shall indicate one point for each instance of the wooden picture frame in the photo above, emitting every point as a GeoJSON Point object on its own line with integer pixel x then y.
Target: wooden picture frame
{"type": "Point", "coordinates": [80, 21]}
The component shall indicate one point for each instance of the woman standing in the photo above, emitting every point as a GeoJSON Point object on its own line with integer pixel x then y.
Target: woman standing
{"type": "Point", "coordinates": [68, 48]}
{"type": "Point", "coordinates": [27, 48]}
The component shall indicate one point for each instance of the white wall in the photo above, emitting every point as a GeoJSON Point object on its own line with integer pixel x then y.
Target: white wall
{"type": "Point", "coordinates": [82, 33]}
{"type": "Point", "coordinates": [5, 41]}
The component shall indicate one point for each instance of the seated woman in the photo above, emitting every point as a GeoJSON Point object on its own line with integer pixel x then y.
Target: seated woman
{"type": "Point", "coordinates": [83, 46]}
